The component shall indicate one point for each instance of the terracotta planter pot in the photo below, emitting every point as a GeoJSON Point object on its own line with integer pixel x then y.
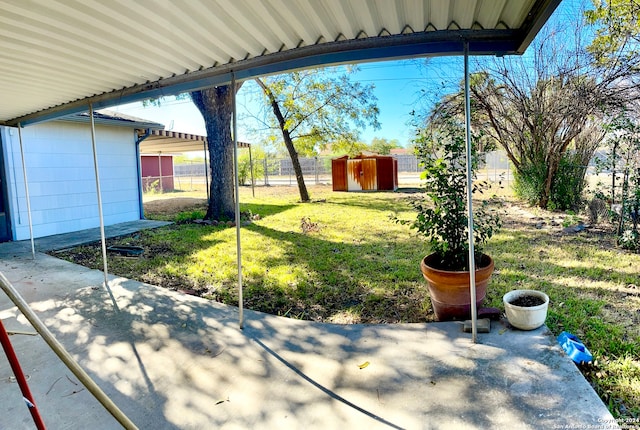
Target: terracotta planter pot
{"type": "Point", "coordinates": [449, 291]}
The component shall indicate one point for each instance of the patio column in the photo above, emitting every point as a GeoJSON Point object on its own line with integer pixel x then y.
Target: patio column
{"type": "Point", "coordinates": [26, 191]}
{"type": "Point", "coordinates": [100, 214]}
{"type": "Point", "coordinates": [472, 262]}
{"type": "Point", "coordinates": [234, 121]}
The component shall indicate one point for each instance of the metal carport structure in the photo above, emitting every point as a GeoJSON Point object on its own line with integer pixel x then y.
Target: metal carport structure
{"type": "Point", "coordinates": [159, 142]}
{"type": "Point", "coordinates": [62, 57]}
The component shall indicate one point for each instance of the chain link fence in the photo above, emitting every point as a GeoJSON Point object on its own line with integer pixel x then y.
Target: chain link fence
{"type": "Point", "coordinates": [317, 170]}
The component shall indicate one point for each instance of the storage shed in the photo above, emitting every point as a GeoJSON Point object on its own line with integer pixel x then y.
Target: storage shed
{"type": "Point", "coordinates": [157, 172]}
{"type": "Point", "coordinates": [365, 172]}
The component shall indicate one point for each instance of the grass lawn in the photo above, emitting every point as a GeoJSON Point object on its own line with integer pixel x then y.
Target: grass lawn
{"type": "Point", "coordinates": [342, 259]}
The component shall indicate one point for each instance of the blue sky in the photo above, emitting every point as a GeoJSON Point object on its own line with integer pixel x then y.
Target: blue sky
{"type": "Point", "coordinates": [397, 87]}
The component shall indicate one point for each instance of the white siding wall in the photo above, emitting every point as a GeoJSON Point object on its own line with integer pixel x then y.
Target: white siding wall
{"type": "Point", "coordinates": [59, 161]}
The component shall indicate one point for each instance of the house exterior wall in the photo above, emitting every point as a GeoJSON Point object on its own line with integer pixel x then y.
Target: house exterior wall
{"type": "Point", "coordinates": [60, 173]}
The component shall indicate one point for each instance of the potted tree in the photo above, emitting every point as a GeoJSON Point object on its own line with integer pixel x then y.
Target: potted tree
{"type": "Point", "coordinates": [442, 220]}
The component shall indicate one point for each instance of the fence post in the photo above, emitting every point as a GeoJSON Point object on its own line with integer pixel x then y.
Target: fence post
{"type": "Point", "coordinates": [160, 170]}
{"type": "Point", "coordinates": [266, 171]}
{"type": "Point", "coordinates": [253, 181]}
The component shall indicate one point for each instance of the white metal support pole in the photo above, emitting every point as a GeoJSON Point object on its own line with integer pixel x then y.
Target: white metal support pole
{"type": "Point", "coordinates": [62, 353]}
{"type": "Point", "coordinates": [26, 191]}
{"type": "Point", "coordinates": [237, 186]}
{"type": "Point", "coordinates": [100, 215]}
{"type": "Point", "coordinates": [472, 262]}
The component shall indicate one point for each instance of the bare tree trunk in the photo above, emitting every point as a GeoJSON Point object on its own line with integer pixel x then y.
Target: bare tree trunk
{"type": "Point", "coordinates": [552, 169]}
{"type": "Point", "coordinates": [302, 188]}
{"type": "Point", "coordinates": [216, 109]}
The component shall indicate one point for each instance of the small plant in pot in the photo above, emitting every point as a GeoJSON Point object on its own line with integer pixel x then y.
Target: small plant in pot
{"type": "Point", "coordinates": [442, 219]}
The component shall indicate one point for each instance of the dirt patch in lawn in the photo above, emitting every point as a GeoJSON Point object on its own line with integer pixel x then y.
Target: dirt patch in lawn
{"type": "Point", "coordinates": [172, 206]}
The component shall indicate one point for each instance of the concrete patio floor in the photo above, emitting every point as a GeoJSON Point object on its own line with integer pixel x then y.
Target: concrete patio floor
{"type": "Point", "coordinates": [173, 361]}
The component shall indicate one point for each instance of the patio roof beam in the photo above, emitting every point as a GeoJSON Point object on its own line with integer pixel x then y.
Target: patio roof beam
{"type": "Point", "coordinates": [402, 46]}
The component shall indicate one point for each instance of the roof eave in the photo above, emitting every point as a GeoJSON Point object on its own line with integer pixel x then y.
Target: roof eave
{"type": "Point", "coordinates": [112, 121]}
{"type": "Point", "coordinates": [535, 21]}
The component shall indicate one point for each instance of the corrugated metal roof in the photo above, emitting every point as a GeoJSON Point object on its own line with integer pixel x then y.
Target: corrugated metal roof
{"type": "Point", "coordinates": [174, 142]}
{"type": "Point", "coordinates": [108, 117]}
{"type": "Point", "coordinates": [57, 55]}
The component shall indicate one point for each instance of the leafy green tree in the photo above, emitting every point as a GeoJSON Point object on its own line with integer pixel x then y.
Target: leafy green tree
{"type": "Point", "coordinates": [617, 31]}
{"type": "Point", "coordinates": [314, 108]}
{"type": "Point", "coordinates": [247, 162]}
{"type": "Point", "coordinates": [383, 146]}
{"type": "Point", "coordinates": [622, 160]}
{"type": "Point", "coordinates": [353, 149]}
{"type": "Point", "coordinates": [441, 211]}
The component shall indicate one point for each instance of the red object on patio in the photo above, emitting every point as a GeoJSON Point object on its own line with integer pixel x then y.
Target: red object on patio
{"type": "Point", "coordinates": [365, 172]}
{"type": "Point", "coordinates": [20, 378]}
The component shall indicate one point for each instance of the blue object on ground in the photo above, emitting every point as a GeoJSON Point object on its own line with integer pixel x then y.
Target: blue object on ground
{"type": "Point", "coordinates": [574, 348]}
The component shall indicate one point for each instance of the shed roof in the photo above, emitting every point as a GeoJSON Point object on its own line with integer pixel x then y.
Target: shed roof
{"type": "Point", "coordinates": [56, 56]}
{"type": "Point", "coordinates": [363, 155]}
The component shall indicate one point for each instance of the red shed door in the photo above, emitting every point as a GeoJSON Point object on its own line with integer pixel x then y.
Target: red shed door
{"type": "Point", "coordinates": [339, 174]}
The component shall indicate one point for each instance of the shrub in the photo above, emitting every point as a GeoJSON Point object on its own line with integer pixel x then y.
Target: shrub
{"type": "Point", "coordinates": [566, 189]}
{"type": "Point", "coordinates": [244, 166]}
{"type": "Point", "coordinates": [529, 182]}
{"type": "Point", "coordinates": [568, 184]}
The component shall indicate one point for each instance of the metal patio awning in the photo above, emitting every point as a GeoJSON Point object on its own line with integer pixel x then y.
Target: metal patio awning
{"type": "Point", "coordinates": [173, 142]}
{"type": "Point", "coordinates": [60, 57]}
{"type": "Point", "coordinates": [57, 56]}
